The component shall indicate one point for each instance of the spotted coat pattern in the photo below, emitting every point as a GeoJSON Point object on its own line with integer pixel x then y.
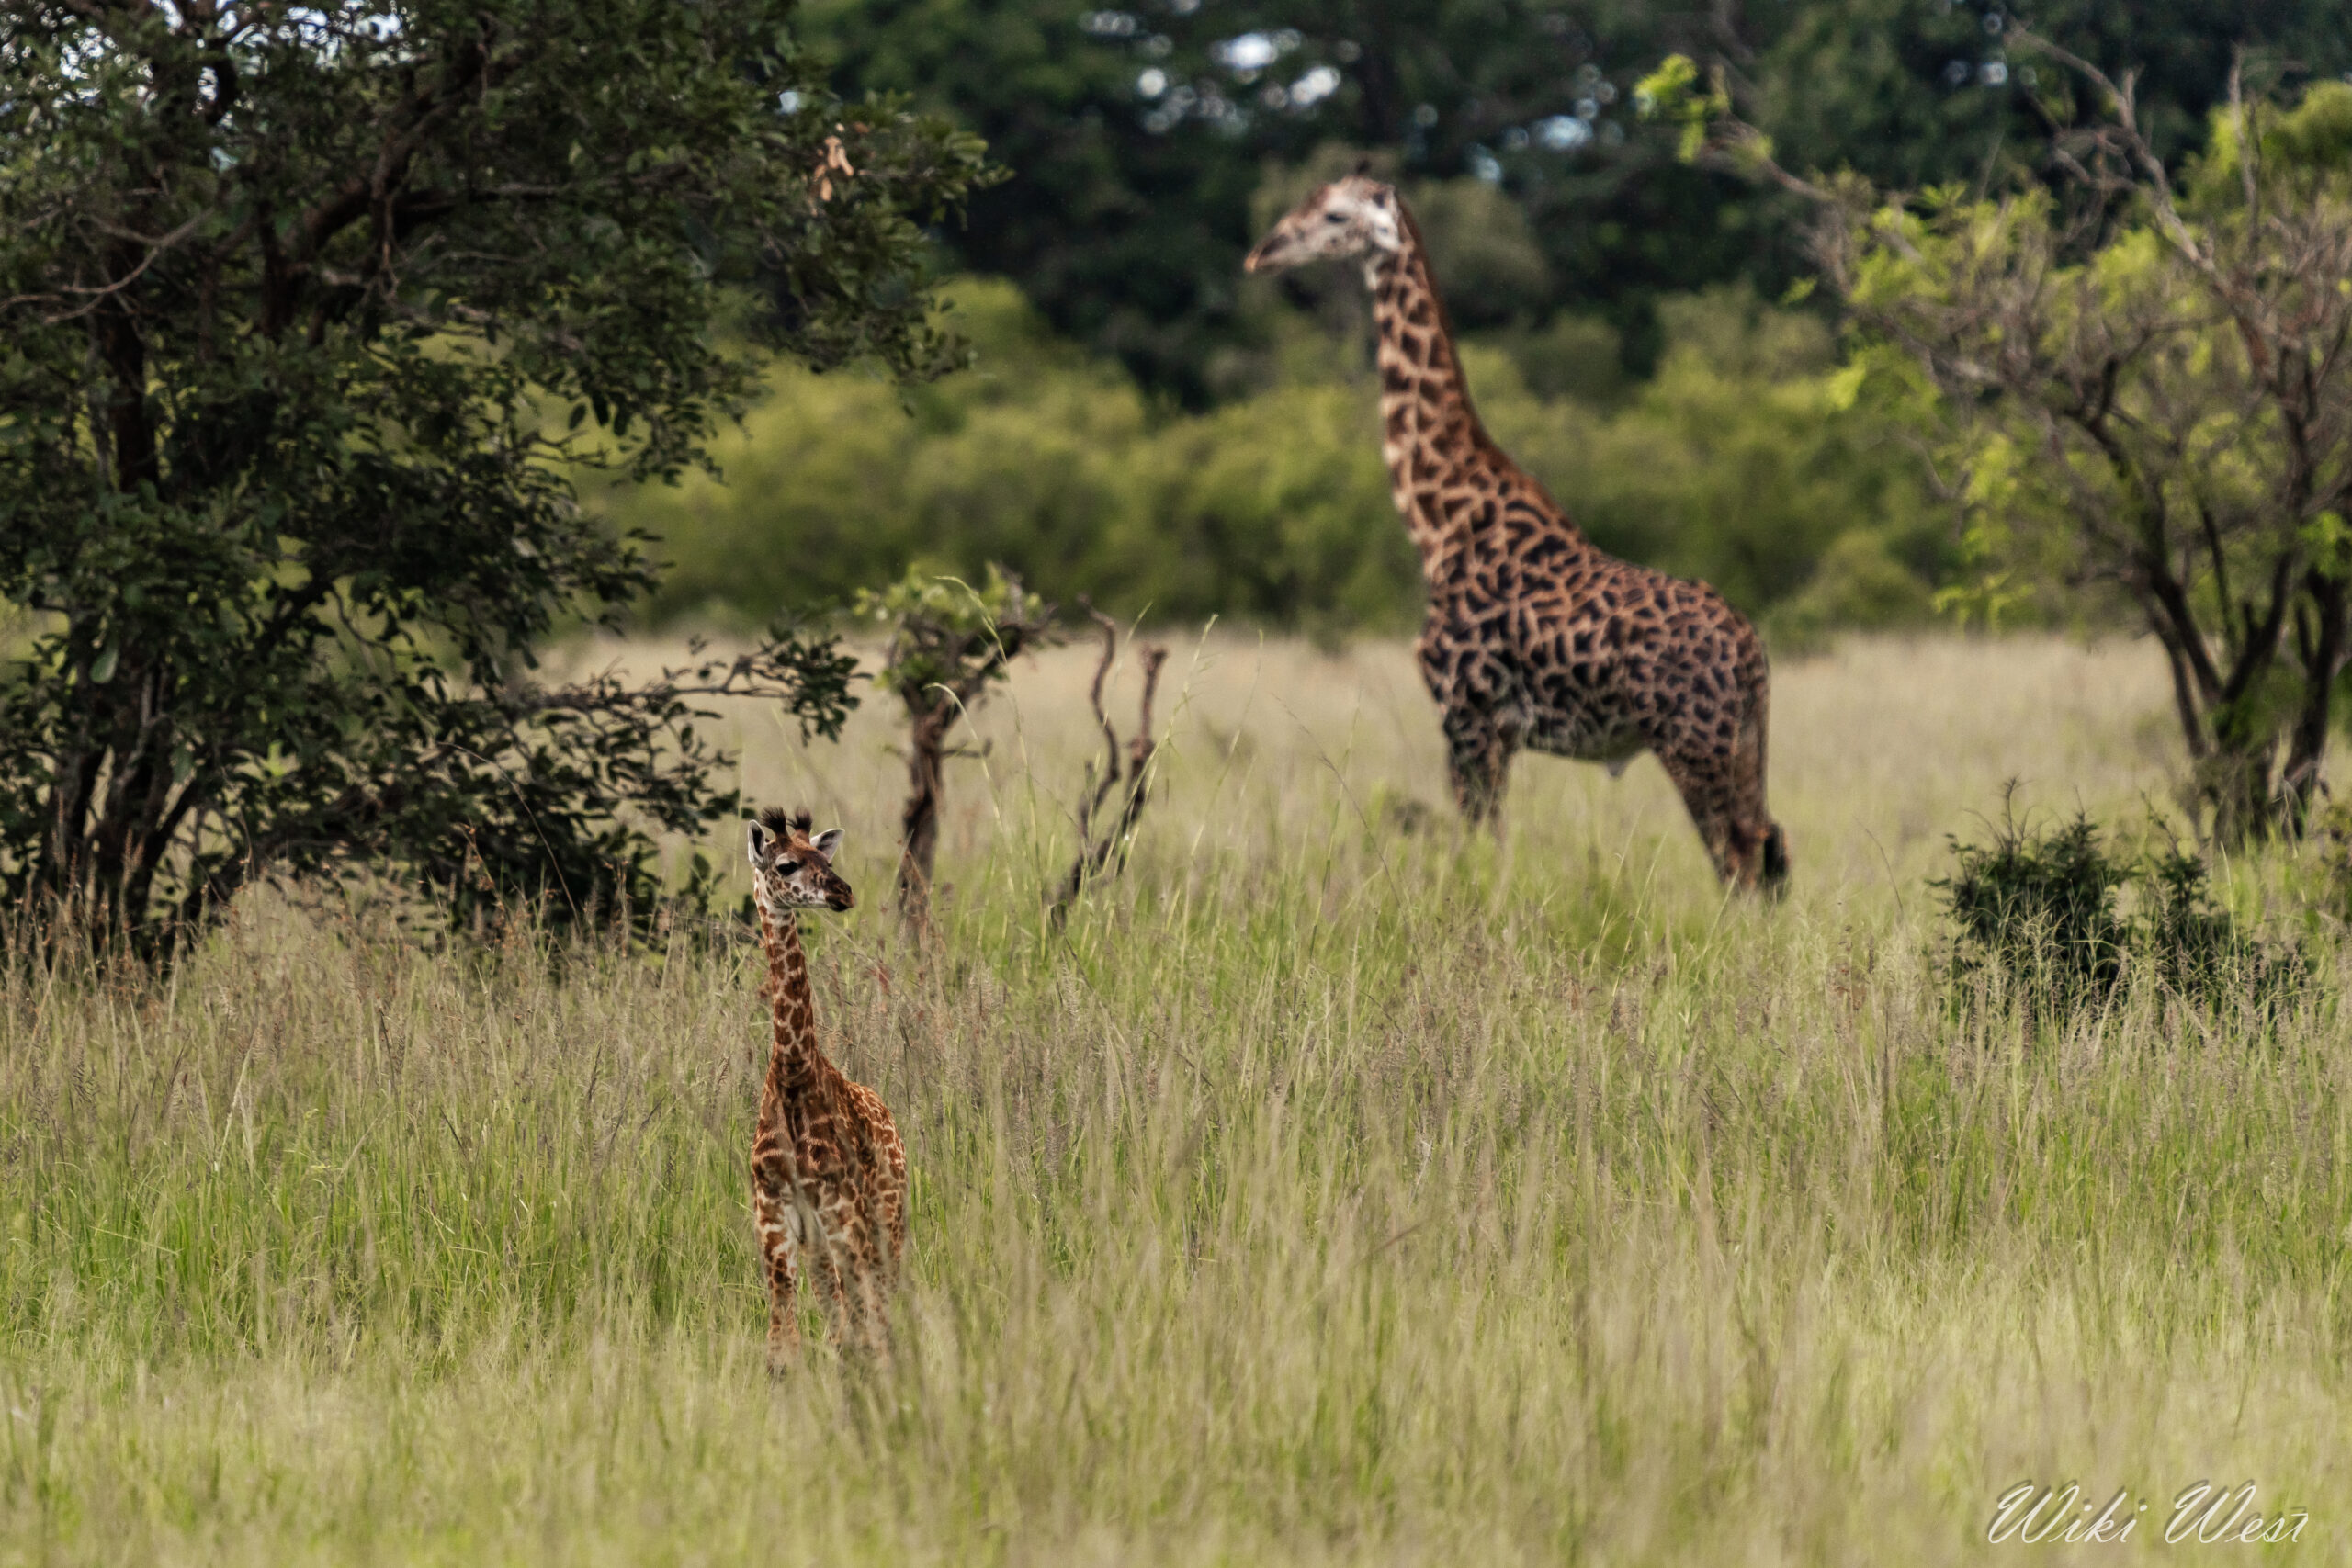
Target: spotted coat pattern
{"type": "Point", "coordinates": [1535, 638]}
{"type": "Point", "coordinates": [829, 1174]}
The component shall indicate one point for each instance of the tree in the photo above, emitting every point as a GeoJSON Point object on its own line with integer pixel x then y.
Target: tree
{"type": "Point", "coordinates": [308, 311]}
{"type": "Point", "coordinates": [950, 643]}
{"type": "Point", "coordinates": [2148, 387]}
{"type": "Point", "coordinates": [1138, 132]}
{"type": "Point", "coordinates": [1139, 136]}
{"type": "Point", "coordinates": [1094, 853]}
{"type": "Point", "coordinates": [1921, 95]}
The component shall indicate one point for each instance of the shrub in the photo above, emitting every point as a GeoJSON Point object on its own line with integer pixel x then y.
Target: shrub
{"type": "Point", "coordinates": [2198, 948]}
{"type": "Point", "coordinates": [1734, 465]}
{"type": "Point", "coordinates": [2040, 907]}
{"type": "Point", "coordinates": [2043, 909]}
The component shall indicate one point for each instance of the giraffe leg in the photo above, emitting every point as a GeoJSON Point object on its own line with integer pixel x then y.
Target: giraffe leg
{"type": "Point", "coordinates": [1747, 847]}
{"type": "Point", "coordinates": [886, 1164]}
{"type": "Point", "coordinates": [894, 1208]}
{"type": "Point", "coordinates": [831, 1286]}
{"type": "Point", "coordinates": [777, 1250]}
{"type": "Point", "coordinates": [1760, 850]}
{"type": "Point", "coordinates": [1748, 765]}
{"type": "Point", "coordinates": [1479, 754]}
{"type": "Point", "coordinates": [874, 1325]}
{"type": "Point", "coordinates": [857, 1248]}
{"type": "Point", "coordinates": [1701, 784]}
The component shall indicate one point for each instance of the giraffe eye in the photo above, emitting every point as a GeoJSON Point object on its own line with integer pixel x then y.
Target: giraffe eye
{"type": "Point", "coordinates": [1335, 218]}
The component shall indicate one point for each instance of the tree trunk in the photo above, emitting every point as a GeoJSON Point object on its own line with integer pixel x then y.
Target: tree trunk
{"type": "Point", "coordinates": [1094, 853]}
{"type": "Point", "coordinates": [2228, 717]}
{"type": "Point", "coordinates": [926, 752]}
{"type": "Point", "coordinates": [2321, 638]}
{"type": "Point", "coordinates": [2236, 781]}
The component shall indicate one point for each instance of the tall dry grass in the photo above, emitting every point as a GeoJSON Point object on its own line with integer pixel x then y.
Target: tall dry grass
{"type": "Point", "coordinates": [1334, 1187]}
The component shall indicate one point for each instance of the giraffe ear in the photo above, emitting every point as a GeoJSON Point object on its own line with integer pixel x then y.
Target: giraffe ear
{"type": "Point", "coordinates": [827, 843]}
{"type": "Point", "coordinates": [756, 838]}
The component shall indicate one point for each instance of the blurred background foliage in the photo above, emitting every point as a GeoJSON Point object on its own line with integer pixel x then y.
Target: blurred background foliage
{"type": "Point", "coordinates": [1138, 136]}
{"type": "Point", "coordinates": [1144, 424]}
{"type": "Point", "coordinates": [1731, 464]}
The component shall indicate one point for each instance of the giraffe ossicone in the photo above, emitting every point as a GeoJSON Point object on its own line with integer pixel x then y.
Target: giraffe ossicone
{"type": "Point", "coordinates": [1535, 638]}
{"type": "Point", "coordinates": [829, 1174]}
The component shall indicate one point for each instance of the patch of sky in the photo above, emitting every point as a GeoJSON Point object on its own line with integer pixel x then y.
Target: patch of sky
{"type": "Point", "coordinates": [1563, 133]}
{"type": "Point", "coordinates": [1313, 87]}
{"type": "Point", "coordinates": [1185, 101]}
{"type": "Point", "coordinates": [1249, 53]}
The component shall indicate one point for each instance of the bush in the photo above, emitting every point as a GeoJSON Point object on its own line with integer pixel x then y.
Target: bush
{"type": "Point", "coordinates": [2042, 908]}
{"type": "Point", "coordinates": [1733, 465]}
{"type": "Point", "coordinates": [2197, 946]}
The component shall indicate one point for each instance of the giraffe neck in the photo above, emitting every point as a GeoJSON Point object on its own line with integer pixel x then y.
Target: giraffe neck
{"type": "Point", "coordinates": [793, 1056]}
{"type": "Point", "coordinates": [1439, 456]}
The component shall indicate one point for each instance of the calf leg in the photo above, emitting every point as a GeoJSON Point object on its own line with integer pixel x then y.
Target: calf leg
{"type": "Point", "coordinates": [853, 1255]}
{"type": "Point", "coordinates": [777, 1250]}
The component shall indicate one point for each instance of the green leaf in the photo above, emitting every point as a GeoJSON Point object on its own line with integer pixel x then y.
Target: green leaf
{"type": "Point", "coordinates": [2330, 542]}
{"type": "Point", "coordinates": [1846, 385]}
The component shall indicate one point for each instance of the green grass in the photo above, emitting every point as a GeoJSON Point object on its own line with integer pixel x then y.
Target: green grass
{"type": "Point", "coordinates": [1330, 1193]}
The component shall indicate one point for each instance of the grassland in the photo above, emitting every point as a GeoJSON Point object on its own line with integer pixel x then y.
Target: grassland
{"type": "Point", "coordinates": [1334, 1190]}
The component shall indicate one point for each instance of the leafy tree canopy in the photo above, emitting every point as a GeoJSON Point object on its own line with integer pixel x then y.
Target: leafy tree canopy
{"type": "Point", "coordinates": [306, 311]}
{"type": "Point", "coordinates": [1138, 132]}
{"type": "Point", "coordinates": [2141, 384]}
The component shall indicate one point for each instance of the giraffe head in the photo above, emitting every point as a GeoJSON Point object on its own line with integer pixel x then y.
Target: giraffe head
{"type": "Point", "coordinates": [792, 869]}
{"type": "Point", "coordinates": [1355, 216]}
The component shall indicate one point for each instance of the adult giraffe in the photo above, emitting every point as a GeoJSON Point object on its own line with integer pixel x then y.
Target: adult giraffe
{"type": "Point", "coordinates": [1534, 637]}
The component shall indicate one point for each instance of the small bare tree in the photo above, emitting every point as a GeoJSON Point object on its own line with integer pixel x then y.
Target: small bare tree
{"type": "Point", "coordinates": [1095, 852]}
{"type": "Point", "coordinates": [2132, 382]}
{"type": "Point", "coordinates": [949, 644]}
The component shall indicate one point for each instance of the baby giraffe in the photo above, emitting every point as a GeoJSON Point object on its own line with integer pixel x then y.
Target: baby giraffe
{"type": "Point", "coordinates": [829, 1175]}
